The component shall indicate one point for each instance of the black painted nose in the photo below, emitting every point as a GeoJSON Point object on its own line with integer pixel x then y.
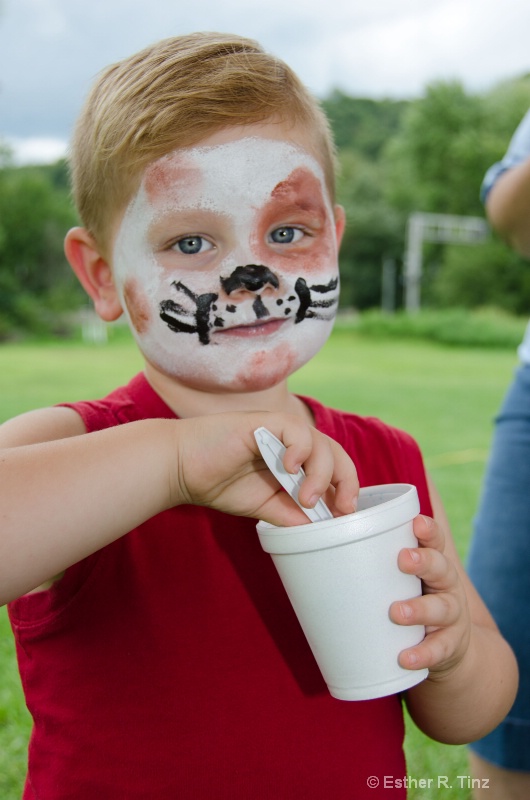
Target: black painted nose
{"type": "Point", "coordinates": [252, 277]}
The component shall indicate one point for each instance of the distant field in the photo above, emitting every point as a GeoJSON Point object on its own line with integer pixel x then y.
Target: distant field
{"type": "Point", "coordinates": [446, 397]}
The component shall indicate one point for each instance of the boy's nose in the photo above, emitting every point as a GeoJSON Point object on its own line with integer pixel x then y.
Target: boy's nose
{"type": "Point", "coordinates": [252, 278]}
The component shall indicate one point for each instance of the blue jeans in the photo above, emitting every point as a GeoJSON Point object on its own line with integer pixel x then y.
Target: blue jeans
{"type": "Point", "coordinates": [499, 563]}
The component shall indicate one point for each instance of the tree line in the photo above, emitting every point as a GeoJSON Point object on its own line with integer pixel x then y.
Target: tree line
{"type": "Point", "coordinates": [395, 157]}
{"type": "Point", "coordinates": [429, 155]}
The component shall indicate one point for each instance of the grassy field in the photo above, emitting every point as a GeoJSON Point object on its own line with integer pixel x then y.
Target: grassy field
{"type": "Point", "coordinates": [446, 397]}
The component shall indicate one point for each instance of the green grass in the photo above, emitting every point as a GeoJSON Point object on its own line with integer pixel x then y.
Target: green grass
{"type": "Point", "coordinates": [445, 396]}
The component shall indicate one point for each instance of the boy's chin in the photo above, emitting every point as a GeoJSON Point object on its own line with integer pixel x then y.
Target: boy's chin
{"type": "Point", "coordinates": [255, 378]}
{"type": "Point", "coordinates": [235, 369]}
{"type": "Point", "coordinates": [240, 384]}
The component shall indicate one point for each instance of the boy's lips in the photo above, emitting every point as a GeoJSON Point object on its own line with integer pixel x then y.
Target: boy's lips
{"type": "Point", "coordinates": [263, 328]}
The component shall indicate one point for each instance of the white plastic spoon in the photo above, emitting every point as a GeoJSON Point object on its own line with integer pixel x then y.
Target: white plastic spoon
{"type": "Point", "coordinates": [272, 451]}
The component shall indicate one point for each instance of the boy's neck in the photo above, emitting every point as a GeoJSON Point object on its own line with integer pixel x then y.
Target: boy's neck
{"type": "Point", "coordinates": [188, 402]}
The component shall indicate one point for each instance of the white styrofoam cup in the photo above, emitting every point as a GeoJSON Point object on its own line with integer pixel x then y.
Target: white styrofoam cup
{"type": "Point", "coordinates": [341, 576]}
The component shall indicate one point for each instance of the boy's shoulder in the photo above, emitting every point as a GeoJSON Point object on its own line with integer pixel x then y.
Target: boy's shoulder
{"type": "Point", "coordinates": [135, 401]}
{"type": "Point", "coordinates": [41, 425]}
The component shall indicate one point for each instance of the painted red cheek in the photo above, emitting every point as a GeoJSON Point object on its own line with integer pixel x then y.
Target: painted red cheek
{"type": "Point", "coordinates": [267, 368]}
{"type": "Point", "coordinates": [137, 306]}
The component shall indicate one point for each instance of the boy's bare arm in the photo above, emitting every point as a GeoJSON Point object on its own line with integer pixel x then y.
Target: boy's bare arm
{"type": "Point", "coordinates": [467, 657]}
{"type": "Point", "coordinates": [65, 498]}
{"type": "Point", "coordinates": [508, 207]}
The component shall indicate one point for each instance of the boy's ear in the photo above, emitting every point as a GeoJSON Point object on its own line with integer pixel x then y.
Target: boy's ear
{"type": "Point", "coordinates": [93, 272]}
{"type": "Point", "coordinates": [340, 223]}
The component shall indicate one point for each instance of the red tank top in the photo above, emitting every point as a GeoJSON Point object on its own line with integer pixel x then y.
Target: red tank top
{"type": "Point", "coordinates": [170, 666]}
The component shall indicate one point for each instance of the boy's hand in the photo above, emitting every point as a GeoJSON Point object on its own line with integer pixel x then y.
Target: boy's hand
{"type": "Point", "coordinates": [443, 607]}
{"type": "Point", "coordinates": [218, 464]}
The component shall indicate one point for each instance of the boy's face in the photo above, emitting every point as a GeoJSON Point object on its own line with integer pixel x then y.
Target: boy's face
{"type": "Point", "coordinates": [226, 260]}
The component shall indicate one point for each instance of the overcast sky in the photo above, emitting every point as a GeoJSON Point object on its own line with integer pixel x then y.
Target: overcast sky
{"type": "Point", "coordinates": [50, 50]}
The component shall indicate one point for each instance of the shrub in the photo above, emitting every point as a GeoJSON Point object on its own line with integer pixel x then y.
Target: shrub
{"type": "Point", "coordinates": [488, 327]}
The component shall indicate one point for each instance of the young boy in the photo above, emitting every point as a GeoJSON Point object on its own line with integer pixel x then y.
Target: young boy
{"type": "Point", "coordinates": [159, 654]}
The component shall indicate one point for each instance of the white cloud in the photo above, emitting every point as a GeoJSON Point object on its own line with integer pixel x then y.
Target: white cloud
{"type": "Point", "coordinates": [35, 150]}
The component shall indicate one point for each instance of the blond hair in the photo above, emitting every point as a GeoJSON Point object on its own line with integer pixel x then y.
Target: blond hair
{"type": "Point", "coordinates": [172, 95]}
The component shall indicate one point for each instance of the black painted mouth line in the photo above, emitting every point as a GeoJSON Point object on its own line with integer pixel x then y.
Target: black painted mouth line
{"type": "Point", "coordinates": [256, 324]}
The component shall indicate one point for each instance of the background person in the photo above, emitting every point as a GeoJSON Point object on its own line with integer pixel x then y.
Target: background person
{"type": "Point", "coordinates": [499, 559]}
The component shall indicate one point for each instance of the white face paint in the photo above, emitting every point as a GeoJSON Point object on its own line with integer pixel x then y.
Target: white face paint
{"type": "Point", "coordinates": [226, 263]}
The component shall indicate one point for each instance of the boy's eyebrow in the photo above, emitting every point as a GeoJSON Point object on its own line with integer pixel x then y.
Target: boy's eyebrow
{"type": "Point", "coordinates": [187, 219]}
{"type": "Point", "coordinates": [292, 206]}
{"type": "Point", "coordinates": [165, 174]}
{"type": "Point", "coordinates": [305, 204]}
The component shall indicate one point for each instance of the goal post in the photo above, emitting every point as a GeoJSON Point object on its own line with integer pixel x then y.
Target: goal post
{"type": "Point", "coordinates": [446, 228]}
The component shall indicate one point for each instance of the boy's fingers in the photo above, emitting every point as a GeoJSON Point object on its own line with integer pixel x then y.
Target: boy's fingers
{"type": "Point", "coordinates": [430, 565]}
{"type": "Point", "coordinates": [280, 510]}
{"type": "Point", "coordinates": [432, 610]}
{"type": "Point", "coordinates": [318, 467]}
{"type": "Point", "coordinates": [346, 483]}
{"type": "Point", "coordinates": [327, 466]}
{"type": "Point", "coordinates": [330, 470]}
{"type": "Point", "coordinates": [436, 648]}
{"type": "Point", "coordinates": [428, 533]}
{"type": "Point", "coordinates": [298, 441]}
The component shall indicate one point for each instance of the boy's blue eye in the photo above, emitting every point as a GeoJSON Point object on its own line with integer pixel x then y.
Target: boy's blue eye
{"type": "Point", "coordinates": [191, 245]}
{"type": "Point", "coordinates": [286, 235]}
